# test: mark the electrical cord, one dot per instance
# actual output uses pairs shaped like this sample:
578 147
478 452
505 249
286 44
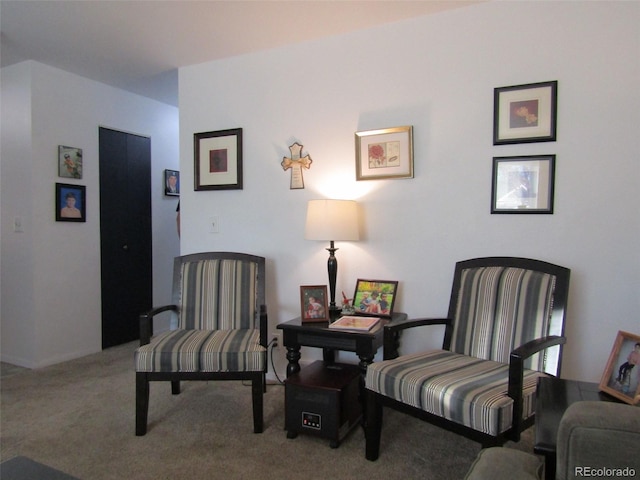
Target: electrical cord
273 366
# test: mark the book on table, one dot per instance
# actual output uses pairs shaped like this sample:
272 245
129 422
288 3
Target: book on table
354 322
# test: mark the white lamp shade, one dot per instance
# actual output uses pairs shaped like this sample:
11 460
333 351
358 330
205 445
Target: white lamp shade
332 220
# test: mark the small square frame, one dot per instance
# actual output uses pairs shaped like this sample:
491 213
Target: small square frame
69 162
624 386
375 297
317 311
525 113
73 211
218 160
523 184
169 189
385 153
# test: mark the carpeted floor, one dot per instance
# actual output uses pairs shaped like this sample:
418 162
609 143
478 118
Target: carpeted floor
78 417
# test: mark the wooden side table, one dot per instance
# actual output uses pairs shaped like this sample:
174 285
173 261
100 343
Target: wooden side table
553 397
318 334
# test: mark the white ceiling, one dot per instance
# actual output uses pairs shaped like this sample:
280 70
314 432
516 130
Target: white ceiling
138 45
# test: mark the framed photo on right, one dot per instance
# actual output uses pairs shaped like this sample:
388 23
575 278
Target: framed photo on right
525 113
375 297
621 377
523 184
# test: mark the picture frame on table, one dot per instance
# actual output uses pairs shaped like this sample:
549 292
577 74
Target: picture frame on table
218 160
71 203
375 297
314 306
621 376
523 184
384 154
525 113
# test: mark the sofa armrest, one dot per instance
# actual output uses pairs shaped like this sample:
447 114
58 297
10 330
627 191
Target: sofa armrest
598 435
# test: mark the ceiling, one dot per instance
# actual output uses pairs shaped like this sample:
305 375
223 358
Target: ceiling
139 45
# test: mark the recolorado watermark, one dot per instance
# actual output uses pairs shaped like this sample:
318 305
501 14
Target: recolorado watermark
605 472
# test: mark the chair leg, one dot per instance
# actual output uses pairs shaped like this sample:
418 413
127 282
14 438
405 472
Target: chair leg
257 392
175 387
142 403
373 425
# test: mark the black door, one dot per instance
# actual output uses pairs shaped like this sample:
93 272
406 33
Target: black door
125 234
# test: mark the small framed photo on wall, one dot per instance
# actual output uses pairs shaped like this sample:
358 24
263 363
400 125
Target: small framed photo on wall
69 162
71 203
525 113
523 184
172 183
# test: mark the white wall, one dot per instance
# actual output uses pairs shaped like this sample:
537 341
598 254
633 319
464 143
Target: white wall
438 74
51 308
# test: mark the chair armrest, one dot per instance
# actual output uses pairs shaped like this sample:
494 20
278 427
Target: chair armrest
146 322
394 329
516 373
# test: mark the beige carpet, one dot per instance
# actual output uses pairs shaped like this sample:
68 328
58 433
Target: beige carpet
78 417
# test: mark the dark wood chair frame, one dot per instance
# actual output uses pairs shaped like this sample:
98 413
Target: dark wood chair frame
258 379
374 402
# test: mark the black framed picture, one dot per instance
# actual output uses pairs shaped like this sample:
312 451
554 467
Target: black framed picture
523 184
71 203
172 183
375 297
218 160
525 113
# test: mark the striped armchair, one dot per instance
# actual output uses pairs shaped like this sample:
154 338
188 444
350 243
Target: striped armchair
218 329
505 328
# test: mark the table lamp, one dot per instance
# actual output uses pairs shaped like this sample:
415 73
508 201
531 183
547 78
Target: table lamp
332 220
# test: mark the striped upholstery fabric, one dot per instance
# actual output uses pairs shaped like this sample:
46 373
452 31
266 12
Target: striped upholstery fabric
460 388
217 294
499 309
218 329
202 351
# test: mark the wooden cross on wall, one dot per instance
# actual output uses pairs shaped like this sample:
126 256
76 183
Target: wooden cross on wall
295 163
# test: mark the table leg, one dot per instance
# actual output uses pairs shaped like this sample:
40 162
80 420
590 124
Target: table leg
293 355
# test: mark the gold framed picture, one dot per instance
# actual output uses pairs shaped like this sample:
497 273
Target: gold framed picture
384 153
621 377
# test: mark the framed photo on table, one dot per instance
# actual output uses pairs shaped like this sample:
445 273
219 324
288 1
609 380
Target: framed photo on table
218 160
375 297
385 153
525 113
523 184
621 377
313 303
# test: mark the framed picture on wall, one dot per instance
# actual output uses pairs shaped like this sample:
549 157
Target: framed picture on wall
313 303
385 153
523 184
218 160
525 113
71 203
69 162
621 376
172 183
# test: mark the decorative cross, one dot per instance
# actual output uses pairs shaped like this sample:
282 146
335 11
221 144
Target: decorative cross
295 163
